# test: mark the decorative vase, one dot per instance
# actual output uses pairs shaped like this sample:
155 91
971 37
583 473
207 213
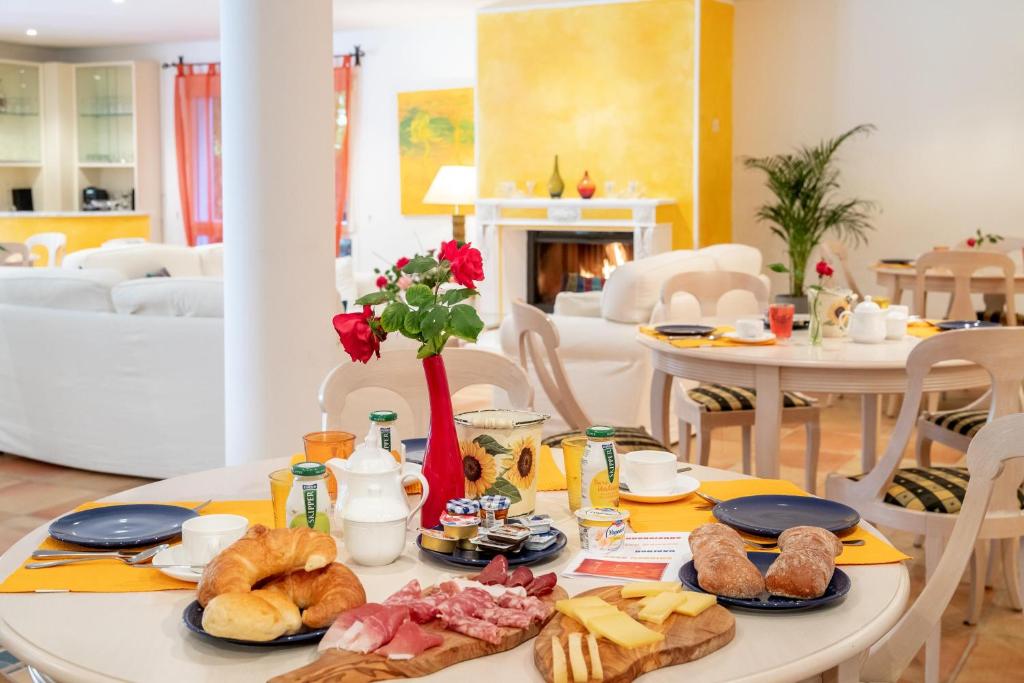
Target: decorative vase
442 463
586 187
814 326
555 185
827 307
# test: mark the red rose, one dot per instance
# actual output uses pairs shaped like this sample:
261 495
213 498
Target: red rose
401 263
971 241
466 263
823 268
356 335
381 282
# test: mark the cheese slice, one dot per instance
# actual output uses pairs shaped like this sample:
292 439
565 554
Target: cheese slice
596 670
694 603
584 613
660 606
645 588
569 605
559 671
576 661
624 631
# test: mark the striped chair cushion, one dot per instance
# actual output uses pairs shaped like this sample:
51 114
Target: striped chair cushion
966 422
627 440
931 489
997 317
720 398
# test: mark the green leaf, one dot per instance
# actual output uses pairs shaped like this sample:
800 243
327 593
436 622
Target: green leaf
373 298
778 268
435 319
411 324
393 317
503 487
419 296
419 264
425 351
489 444
465 323
454 296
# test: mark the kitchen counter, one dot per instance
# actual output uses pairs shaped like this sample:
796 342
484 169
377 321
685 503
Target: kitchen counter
84 229
69 214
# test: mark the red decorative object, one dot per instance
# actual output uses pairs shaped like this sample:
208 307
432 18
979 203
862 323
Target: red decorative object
382 281
466 262
823 268
586 187
442 464
359 334
971 242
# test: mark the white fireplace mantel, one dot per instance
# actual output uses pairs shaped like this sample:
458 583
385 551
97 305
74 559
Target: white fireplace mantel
502 238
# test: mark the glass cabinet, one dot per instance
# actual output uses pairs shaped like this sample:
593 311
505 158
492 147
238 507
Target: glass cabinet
20 123
105 115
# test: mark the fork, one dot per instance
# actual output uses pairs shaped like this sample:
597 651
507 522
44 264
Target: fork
772 546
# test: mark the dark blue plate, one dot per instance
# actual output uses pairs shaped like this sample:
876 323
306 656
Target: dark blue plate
836 591
193 618
896 261
771 515
121 526
414 450
947 325
463 558
684 330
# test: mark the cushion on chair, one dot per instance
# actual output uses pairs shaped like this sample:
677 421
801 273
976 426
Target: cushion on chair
720 398
997 317
627 440
931 489
966 422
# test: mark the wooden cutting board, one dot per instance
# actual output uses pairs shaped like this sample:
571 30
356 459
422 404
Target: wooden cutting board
686 639
353 667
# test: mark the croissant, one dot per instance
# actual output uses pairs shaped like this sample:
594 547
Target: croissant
258 616
263 553
321 594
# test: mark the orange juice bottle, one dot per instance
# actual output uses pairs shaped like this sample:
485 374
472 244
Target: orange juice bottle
384 424
600 469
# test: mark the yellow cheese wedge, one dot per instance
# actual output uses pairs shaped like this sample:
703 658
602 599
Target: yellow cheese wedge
624 631
559 671
569 605
596 670
584 613
694 603
576 661
644 588
660 606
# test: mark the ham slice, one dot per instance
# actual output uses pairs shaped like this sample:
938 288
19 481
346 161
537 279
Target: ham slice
345 620
542 585
409 641
376 630
520 576
495 572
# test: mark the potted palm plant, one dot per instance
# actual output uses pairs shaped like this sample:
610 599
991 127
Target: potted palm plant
805 207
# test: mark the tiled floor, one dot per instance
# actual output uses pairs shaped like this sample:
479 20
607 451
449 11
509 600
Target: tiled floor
32 493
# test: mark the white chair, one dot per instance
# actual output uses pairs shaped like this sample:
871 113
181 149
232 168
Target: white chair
123 241
963 264
15 255
401 372
709 406
923 500
993 455
55 244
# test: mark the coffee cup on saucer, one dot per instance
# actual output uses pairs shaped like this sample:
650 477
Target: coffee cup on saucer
203 537
749 328
650 473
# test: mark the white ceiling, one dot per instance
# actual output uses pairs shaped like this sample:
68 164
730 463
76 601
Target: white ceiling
86 23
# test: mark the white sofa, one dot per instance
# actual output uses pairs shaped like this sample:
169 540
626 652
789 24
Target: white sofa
610 372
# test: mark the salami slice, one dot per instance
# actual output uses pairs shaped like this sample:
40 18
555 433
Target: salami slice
474 628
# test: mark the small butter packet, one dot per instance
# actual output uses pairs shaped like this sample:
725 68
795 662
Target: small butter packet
509 533
541 541
495 545
538 524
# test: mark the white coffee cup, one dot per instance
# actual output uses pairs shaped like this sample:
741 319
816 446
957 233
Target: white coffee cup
203 537
650 472
896 324
750 328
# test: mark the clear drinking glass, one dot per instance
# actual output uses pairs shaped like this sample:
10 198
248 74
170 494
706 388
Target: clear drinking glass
280 487
780 317
572 450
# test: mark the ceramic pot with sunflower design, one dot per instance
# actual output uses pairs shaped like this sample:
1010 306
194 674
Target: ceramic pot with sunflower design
829 305
500 451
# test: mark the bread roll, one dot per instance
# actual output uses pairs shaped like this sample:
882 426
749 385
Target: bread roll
803 573
321 594
258 616
810 537
722 565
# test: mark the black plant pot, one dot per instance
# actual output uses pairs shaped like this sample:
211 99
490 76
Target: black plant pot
799 302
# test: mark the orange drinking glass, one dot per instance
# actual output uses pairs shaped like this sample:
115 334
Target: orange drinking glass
572 449
780 317
322 446
280 487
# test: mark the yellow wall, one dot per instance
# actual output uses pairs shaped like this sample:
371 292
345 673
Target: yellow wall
83 232
607 87
715 146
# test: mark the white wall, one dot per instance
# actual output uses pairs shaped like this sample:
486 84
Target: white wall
940 78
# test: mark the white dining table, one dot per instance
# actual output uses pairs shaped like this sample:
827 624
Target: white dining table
94 637
838 366
900 279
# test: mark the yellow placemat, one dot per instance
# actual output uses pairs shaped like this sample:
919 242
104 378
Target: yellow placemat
696 342
922 328
550 477
692 511
112 576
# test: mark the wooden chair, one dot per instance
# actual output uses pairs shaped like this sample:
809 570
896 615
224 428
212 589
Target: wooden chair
402 373
963 264
836 252
993 457
53 242
924 501
538 340
709 406
15 254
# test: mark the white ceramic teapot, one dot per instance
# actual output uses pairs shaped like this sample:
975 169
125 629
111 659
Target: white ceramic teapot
866 322
372 509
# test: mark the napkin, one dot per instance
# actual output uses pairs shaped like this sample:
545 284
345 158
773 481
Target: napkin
550 477
922 329
695 342
685 515
112 576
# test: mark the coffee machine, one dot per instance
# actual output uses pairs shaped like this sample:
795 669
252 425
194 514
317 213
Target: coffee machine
95 199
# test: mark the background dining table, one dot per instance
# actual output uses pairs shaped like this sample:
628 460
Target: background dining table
897 279
93 637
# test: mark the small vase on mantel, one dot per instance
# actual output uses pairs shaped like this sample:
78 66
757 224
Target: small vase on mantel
586 187
555 184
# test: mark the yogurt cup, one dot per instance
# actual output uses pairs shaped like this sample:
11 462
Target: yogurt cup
602 530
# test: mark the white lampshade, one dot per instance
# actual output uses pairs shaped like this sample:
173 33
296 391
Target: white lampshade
452 185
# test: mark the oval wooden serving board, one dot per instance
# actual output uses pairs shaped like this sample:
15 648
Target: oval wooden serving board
686 639
341 665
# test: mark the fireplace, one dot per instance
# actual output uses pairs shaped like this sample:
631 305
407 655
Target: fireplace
571 261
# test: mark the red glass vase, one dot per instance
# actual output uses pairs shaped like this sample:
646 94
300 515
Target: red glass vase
442 463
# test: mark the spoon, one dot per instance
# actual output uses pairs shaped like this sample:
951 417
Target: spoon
70 554
772 546
133 560
625 487
710 499
199 507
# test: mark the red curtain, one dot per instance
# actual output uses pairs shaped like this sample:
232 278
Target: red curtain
197 134
344 74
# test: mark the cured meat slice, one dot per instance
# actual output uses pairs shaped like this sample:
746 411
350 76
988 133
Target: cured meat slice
376 630
478 603
520 576
411 590
495 572
409 641
542 585
345 620
495 590
421 609
536 608
474 628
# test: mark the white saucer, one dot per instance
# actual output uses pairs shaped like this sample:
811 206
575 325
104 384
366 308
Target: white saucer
174 555
760 339
683 487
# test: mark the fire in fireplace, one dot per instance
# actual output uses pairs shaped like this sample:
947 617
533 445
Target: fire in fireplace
572 261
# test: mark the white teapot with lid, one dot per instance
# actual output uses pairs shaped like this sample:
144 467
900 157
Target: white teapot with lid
866 322
372 509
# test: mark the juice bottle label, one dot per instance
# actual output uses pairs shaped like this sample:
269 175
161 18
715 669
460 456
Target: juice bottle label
600 470
385 438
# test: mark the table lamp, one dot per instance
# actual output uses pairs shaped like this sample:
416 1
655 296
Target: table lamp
454 185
